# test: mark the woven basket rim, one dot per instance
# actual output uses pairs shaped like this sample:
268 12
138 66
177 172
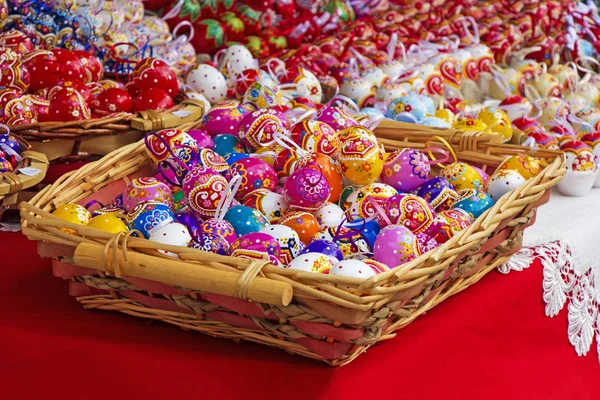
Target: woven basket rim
368 293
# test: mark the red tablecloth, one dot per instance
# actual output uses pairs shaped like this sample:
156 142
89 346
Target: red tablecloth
491 341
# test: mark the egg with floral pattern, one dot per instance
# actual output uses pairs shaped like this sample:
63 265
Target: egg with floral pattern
304 223
335 117
306 189
256 174
357 204
326 247
316 137
313 262
221 228
257 246
395 245
328 168
361 160
449 223
411 211
476 204
263 93
438 193
224 118
272 205
406 169
245 220
211 243
407 109
462 176
289 241
526 165
257 128
144 189
351 242
203 189
149 216
165 143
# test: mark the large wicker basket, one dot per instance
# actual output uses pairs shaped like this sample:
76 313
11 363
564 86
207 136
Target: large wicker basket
89 139
324 317
12 184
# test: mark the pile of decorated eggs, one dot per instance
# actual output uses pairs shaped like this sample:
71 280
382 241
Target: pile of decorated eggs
9 152
351 210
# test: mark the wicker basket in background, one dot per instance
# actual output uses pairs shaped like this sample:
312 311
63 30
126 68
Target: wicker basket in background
330 318
93 138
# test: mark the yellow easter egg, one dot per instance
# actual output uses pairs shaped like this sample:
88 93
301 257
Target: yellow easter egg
470 124
497 121
361 159
269 153
446 115
525 165
108 223
462 176
73 213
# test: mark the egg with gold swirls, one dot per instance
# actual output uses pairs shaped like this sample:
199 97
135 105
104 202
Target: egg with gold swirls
357 204
257 246
526 165
438 193
361 160
395 245
144 189
462 176
203 189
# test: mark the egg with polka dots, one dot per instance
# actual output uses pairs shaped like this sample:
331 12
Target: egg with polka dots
245 220
151 73
353 269
288 239
174 234
207 80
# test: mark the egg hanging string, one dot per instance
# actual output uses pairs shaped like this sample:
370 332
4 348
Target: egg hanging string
167 147
227 198
349 235
378 210
429 150
7 149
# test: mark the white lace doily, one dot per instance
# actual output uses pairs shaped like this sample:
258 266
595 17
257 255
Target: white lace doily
566 238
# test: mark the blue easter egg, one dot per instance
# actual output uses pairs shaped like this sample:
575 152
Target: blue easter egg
245 220
233 157
326 247
149 216
369 229
439 193
371 112
435 122
428 102
476 204
407 109
227 144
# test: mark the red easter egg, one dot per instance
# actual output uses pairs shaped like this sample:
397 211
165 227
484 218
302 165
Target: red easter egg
14 75
113 100
68 105
95 87
76 85
153 73
153 99
42 107
72 68
91 64
7 95
132 89
20 111
245 80
17 41
44 69
209 35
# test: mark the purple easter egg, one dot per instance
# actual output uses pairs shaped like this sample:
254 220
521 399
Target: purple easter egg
405 170
224 118
256 174
257 128
335 117
326 247
306 189
258 246
395 245
221 228
426 243
210 242
203 188
144 189
191 221
202 138
439 193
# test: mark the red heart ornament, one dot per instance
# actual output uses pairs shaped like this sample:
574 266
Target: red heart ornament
14 75
448 71
20 111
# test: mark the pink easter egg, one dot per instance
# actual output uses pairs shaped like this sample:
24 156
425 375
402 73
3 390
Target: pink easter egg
202 138
221 228
224 118
203 189
335 117
395 245
406 169
257 246
411 211
256 174
257 128
306 189
426 243
145 189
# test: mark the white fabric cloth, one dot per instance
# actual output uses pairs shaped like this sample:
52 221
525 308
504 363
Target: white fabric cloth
566 238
